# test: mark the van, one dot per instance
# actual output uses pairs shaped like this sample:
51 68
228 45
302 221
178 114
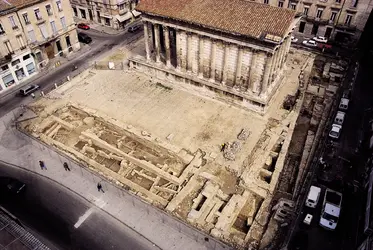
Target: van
25 91
84 38
313 197
339 118
343 105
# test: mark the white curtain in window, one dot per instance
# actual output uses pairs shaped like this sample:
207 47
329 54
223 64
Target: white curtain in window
63 22
44 31
54 29
30 68
31 35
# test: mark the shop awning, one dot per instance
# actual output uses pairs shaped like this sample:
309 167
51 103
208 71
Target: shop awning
135 13
124 17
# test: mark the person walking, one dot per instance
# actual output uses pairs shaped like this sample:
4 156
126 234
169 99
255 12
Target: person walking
67 168
42 165
99 187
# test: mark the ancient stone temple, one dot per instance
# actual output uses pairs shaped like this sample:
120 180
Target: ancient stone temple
235 49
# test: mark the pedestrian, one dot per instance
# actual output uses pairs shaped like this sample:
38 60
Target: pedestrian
223 147
42 165
99 187
66 166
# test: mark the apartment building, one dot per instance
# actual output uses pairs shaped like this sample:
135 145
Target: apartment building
340 20
31 33
113 13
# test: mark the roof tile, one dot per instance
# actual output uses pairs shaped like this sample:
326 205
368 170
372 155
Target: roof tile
233 16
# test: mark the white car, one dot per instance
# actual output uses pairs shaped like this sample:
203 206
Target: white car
320 39
310 43
335 132
294 40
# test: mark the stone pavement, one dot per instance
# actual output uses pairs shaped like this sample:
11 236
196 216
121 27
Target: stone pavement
164 231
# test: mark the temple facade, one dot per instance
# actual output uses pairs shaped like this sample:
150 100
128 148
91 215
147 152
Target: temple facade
238 60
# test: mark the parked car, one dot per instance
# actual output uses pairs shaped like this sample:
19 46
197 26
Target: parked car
347 94
313 196
83 26
320 39
335 132
331 209
339 118
84 38
12 186
324 46
343 105
134 28
309 43
25 91
294 40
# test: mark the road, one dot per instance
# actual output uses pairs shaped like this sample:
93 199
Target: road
101 44
346 160
66 220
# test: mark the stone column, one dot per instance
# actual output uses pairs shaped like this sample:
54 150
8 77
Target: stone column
200 57
282 54
157 43
178 53
146 36
166 35
267 71
225 63
188 52
252 74
212 60
277 60
238 66
271 71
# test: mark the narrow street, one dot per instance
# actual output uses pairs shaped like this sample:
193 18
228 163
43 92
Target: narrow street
101 44
346 159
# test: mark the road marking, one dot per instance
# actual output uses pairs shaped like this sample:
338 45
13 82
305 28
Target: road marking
83 217
98 203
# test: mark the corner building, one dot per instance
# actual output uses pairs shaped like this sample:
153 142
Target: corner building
235 49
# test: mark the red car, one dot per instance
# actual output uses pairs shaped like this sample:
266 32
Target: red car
83 26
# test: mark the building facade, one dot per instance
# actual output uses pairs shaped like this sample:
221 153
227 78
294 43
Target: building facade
340 20
113 13
31 33
240 60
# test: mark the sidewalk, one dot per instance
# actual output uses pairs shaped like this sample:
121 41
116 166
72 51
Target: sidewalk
164 231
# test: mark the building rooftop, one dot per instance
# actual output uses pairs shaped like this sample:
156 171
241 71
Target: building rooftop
234 16
8 5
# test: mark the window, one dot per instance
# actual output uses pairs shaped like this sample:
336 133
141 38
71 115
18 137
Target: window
13 22
54 29
293 6
31 35
44 31
21 42
265 2
8 46
37 14
2 31
354 3
121 6
305 10
30 68
280 4
8 80
25 18
319 13
338 1
49 9
63 22
4 67
332 16
68 43
348 19
14 63
26 57
20 74
59 6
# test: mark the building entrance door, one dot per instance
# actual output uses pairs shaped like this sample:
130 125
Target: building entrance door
49 50
315 28
90 14
328 32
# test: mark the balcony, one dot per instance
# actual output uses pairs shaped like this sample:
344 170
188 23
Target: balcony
345 27
316 20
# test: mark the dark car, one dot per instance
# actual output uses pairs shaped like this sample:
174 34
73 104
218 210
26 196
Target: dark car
11 186
84 38
25 91
83 26
133 29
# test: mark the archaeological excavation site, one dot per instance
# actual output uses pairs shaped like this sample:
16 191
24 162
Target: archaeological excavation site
214 165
